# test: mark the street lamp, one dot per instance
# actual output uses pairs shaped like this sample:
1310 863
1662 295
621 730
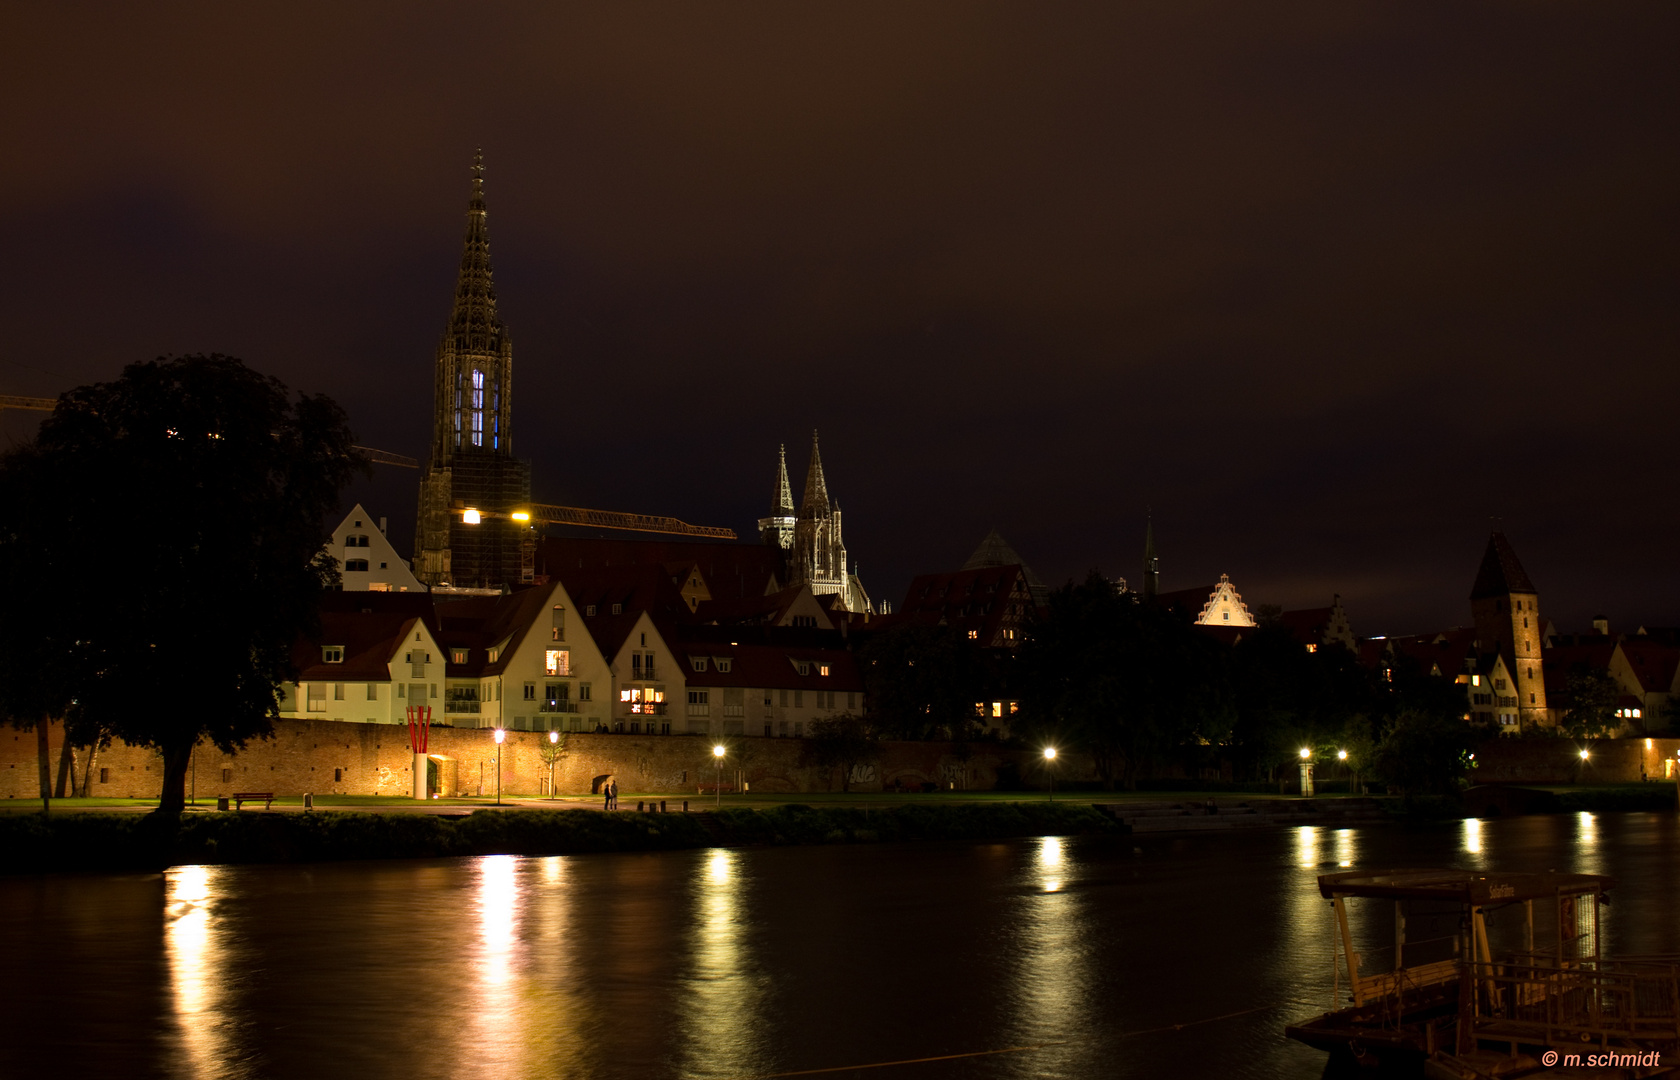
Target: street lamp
1305 753
1584 755
717 753
1341 755
1049 760
500 735
553 740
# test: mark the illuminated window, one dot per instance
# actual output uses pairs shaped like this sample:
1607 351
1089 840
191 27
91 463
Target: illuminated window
973 635
822 669
332 654
557 662
478 408
624 695
457 656
1312 648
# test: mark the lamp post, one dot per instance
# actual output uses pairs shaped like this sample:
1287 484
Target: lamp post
500 735
1049 760
717 754
553 740
1306 771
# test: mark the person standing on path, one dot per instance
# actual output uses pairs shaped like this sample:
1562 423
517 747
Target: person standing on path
614 794
606 795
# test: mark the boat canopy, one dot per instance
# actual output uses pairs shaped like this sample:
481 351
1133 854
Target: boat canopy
1459 886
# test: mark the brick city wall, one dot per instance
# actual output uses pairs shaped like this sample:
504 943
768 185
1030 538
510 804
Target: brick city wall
1558 761
324 756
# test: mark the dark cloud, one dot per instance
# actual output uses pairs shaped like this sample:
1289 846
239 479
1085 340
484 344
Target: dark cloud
1327 286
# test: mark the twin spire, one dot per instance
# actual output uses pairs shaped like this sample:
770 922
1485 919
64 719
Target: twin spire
815 501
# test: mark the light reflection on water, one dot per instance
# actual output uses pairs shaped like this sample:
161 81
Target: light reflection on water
199 966
744 962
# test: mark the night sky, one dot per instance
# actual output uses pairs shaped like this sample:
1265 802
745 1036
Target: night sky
1326 286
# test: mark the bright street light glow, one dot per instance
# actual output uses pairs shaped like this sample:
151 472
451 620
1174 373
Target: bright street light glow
1305 753
1583 755
500 735
554 736
469 517
1341 755
520 515
1049 753
717 751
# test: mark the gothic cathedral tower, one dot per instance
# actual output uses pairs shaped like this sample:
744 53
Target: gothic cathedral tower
1507 612
472 464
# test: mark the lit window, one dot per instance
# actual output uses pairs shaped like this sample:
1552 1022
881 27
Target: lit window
457 656
1312 648
822 669
973 635
557 662
332 654
1636 714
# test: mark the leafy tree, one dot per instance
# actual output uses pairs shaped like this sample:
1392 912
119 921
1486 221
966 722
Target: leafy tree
1592 703
840 742
920 682
183 507
551 751
1124 680
1425 752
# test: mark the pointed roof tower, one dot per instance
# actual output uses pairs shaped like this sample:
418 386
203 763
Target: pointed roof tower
782 502
475 290
1500 574
815 503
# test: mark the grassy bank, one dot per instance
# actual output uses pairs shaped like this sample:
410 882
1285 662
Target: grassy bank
33 843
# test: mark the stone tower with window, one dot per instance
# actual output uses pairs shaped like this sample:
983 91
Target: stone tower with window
1506 608
471 465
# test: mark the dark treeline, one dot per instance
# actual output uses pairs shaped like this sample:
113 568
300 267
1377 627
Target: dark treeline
1142 691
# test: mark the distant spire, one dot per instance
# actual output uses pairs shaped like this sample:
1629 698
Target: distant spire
1151 565
782 503
815 502
475 291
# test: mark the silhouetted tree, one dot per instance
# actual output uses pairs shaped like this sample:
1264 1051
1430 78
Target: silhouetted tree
176 517
1124 680
1592 703
920 682
1426 752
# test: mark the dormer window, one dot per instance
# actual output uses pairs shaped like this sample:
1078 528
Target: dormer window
822 669
724 663
802 666
589 611
618 609
457 656
332 654
698 662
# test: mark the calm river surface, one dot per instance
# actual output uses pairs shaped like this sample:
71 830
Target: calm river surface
745 963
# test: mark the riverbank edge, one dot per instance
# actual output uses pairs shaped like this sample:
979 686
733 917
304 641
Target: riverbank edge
107 842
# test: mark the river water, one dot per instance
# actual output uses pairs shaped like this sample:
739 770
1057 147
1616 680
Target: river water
735 963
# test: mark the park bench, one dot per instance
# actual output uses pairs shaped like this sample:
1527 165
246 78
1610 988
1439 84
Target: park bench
267 798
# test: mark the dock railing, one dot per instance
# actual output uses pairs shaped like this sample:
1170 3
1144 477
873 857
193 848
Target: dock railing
1532 998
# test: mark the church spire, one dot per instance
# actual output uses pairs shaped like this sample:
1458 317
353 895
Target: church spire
783 500
1151 565
474 315
816 487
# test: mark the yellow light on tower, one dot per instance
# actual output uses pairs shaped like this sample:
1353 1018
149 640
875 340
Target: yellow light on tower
469 517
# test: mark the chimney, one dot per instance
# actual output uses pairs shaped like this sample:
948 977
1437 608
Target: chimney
382 526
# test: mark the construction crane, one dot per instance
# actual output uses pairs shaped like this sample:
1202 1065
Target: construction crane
536 515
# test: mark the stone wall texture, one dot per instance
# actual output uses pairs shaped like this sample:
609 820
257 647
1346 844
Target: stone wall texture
331 757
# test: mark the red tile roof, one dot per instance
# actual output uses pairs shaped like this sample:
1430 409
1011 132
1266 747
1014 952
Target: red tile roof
985 601
769 667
